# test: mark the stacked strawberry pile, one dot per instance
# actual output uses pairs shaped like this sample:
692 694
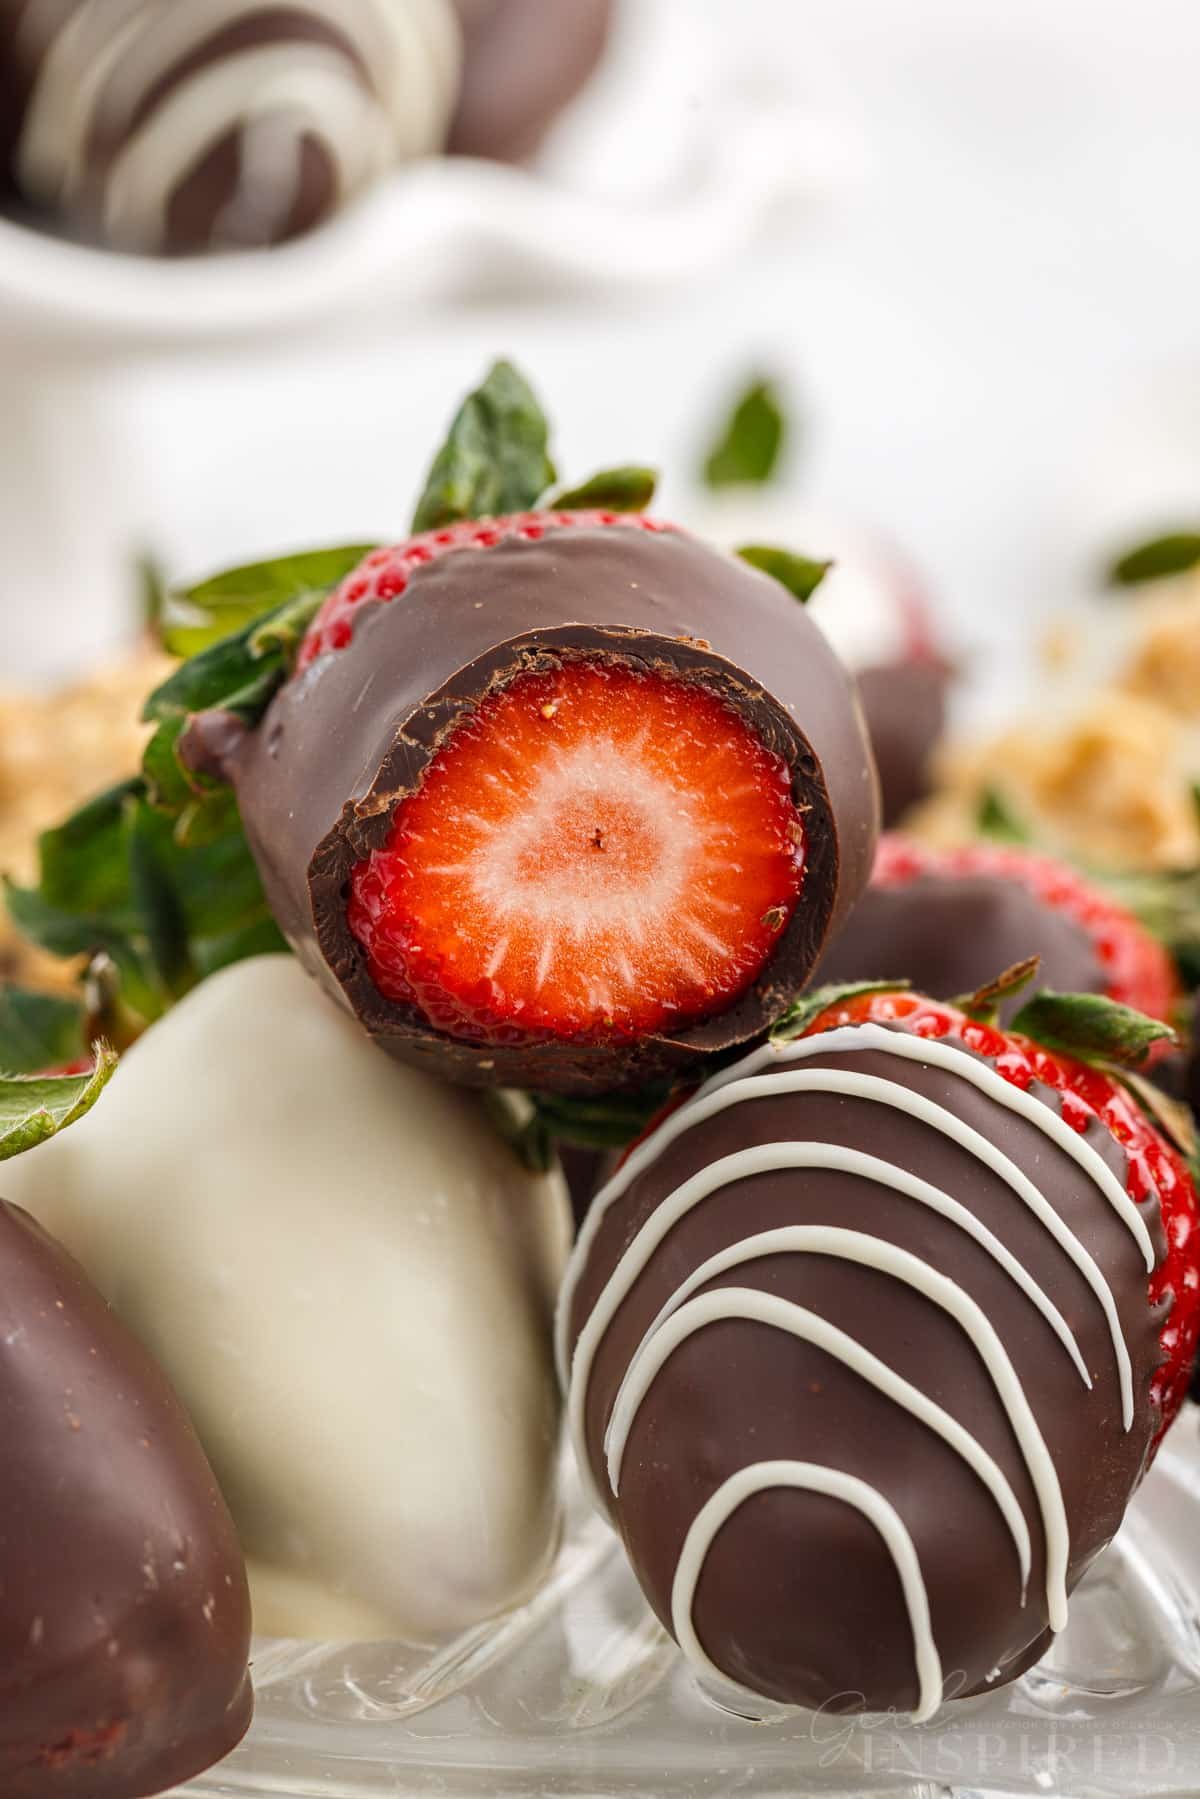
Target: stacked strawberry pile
874 1329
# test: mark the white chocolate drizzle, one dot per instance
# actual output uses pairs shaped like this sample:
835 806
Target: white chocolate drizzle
808 1477
870 1252
379 91
683 1314
957 1060
765 1159
720 1094
766 1308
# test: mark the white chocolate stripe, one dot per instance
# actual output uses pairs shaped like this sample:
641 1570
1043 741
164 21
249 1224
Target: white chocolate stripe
808 1477
395 84
172 35
968 1067
313 85
656 1346
886 1258
76 64
768 1158
903 1099
848 1038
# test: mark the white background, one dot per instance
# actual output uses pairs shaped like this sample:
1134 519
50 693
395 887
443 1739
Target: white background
992 317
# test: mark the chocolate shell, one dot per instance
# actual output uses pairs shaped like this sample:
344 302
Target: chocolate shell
347 740
949 933
860 1357
124 1612
523 62
905 707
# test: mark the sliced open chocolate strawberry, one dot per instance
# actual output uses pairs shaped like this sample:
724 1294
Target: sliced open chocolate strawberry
536 827
596 852
560 799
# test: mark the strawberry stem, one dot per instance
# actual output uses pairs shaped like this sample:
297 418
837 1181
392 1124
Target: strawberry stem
984 1004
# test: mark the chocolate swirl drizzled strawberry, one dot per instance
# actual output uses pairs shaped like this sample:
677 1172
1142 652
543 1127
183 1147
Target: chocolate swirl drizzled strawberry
869 1342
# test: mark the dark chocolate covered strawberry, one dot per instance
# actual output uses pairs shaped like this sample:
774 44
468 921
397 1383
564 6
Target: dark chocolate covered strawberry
946 919
523 62
124 1610
559 798
870 1342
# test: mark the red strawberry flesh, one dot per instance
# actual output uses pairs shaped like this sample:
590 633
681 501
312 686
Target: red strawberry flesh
595 852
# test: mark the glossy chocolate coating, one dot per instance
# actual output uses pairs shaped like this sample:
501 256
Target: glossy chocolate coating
798 1598
14 92
948 934
905 707
524 61
124 1612
345 742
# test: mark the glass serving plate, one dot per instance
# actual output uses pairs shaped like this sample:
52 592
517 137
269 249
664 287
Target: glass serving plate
582 1693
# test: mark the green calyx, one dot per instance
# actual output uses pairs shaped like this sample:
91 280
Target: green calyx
1172 553
34 1107
750 443
118 879
613 490
995 819
39 1030
984 1004
1091 1028
801 575
534 1124
496 459
803 1012
219 609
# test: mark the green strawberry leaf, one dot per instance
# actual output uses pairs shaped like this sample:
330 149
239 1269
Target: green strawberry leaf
1091 1028
751 441
39 1031
239 674
613 490
801 575
33 1108
1173 1118
609 1121
168 785
1174 553
155 873
496 458
995 819
117 879
985 1003
196 618
534 1123
804 1012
